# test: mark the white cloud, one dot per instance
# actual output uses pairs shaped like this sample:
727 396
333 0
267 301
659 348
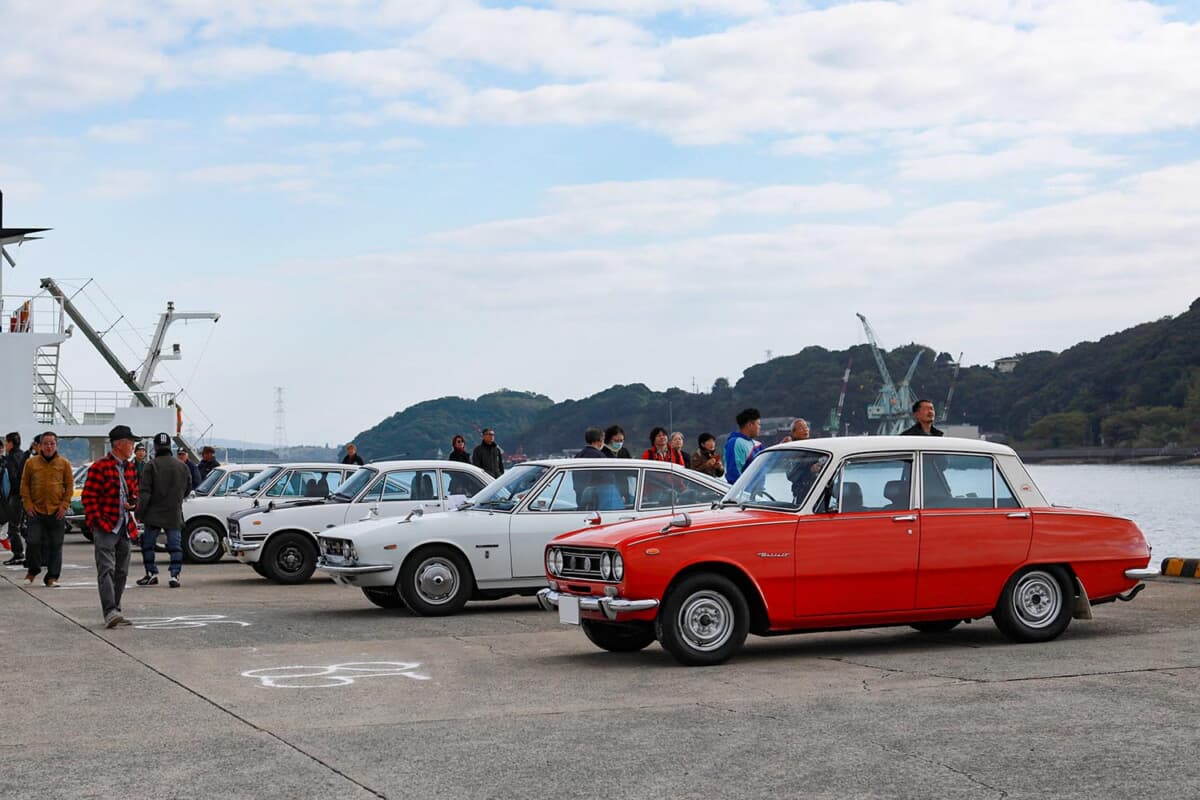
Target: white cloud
662 208
401 143
125 183
1035 154
134 131
255 122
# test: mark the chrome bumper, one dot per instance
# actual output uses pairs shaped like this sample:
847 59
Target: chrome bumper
243 545
1148 574
357 569
608 606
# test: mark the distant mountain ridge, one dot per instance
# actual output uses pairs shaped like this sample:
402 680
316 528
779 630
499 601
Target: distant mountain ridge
1137 387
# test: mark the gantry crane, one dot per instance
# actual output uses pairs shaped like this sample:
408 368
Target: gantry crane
893 404
950 394
834 426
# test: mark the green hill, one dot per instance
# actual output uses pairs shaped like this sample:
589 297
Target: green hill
1137 387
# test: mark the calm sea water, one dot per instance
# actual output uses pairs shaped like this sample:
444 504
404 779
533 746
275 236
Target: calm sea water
1163 500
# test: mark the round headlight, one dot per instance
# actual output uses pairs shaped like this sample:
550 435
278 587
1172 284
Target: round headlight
618 567
606 566
558 561
550 561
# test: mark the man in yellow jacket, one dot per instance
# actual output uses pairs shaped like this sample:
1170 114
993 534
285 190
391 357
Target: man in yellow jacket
46 491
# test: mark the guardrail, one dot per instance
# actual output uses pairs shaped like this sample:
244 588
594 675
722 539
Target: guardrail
39 313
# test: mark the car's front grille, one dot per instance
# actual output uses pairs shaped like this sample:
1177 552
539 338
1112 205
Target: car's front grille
581 562
335 547
234 527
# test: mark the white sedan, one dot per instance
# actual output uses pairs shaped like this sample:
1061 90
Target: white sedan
279 540
495 546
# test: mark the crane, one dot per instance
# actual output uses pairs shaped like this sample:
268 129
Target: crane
834 426
892 404
950 394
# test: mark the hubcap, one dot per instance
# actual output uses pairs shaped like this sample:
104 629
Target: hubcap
203 541
706 620
1037 599
437 581
290 559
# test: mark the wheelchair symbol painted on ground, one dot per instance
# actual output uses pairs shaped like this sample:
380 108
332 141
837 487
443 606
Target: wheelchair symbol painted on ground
186 621
334 675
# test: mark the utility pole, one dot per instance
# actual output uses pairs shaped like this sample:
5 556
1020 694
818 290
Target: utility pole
280 421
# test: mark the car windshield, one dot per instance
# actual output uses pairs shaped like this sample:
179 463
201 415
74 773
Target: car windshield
255 484
206 485
778 479
354 484
81 475
506 492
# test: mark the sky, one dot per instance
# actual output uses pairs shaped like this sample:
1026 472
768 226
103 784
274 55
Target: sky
390 202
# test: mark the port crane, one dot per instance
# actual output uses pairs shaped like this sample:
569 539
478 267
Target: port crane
950 394
893 404
834 425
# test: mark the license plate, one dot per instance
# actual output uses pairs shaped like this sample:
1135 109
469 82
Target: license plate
568 609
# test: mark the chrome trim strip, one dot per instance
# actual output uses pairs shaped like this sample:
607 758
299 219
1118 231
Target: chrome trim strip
361 569
241 544
609 606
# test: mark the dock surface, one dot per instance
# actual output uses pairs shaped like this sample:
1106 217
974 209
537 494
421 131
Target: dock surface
234 687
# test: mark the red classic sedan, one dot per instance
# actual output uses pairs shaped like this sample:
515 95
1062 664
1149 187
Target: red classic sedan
853 532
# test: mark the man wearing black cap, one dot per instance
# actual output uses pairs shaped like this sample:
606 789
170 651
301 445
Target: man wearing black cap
110 496
164 483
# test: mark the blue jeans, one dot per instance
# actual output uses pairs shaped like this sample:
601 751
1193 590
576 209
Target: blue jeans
174 546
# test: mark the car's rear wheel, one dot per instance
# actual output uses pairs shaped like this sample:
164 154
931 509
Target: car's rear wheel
202 541
289 558
383 597
435 581
1035 606
624 637
703 620
940 626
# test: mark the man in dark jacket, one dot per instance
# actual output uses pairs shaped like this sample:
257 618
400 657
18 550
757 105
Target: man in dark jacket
208 461
458 450
192 469
12 463
594 440
352 456
488 456
164 483
924 415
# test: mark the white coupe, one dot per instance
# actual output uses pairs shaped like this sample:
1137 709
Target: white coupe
494 546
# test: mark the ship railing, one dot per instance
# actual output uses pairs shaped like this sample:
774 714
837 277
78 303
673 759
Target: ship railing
39 313
98 407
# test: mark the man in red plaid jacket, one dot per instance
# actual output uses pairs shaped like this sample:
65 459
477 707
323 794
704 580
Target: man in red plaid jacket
109 499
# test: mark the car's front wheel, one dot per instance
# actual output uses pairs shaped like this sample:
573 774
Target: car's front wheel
624 637
703 620
1036 605
435 581
289 558
202 541
383 597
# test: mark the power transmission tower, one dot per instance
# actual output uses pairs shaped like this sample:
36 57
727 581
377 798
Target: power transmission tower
280 420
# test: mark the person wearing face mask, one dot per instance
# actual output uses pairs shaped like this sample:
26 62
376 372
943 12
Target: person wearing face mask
614 442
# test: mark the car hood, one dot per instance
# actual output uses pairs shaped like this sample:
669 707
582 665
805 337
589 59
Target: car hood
276 506
648 528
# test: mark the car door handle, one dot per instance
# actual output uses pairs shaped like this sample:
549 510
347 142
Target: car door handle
625 519
432 505
1019 515
905 518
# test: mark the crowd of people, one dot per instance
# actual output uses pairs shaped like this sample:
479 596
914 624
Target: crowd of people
36 489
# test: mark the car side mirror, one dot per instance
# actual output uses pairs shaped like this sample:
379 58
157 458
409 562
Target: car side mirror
594 518
681 520
416 513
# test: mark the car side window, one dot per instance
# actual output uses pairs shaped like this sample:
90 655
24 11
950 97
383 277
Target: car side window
1004 493
545 498
664 489
962 481
306 483
459 482
878 484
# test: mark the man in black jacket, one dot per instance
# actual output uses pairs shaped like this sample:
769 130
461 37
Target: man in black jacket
164 483
924 415
488 456
11 465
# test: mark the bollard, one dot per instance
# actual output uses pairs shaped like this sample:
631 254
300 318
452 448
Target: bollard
1181 567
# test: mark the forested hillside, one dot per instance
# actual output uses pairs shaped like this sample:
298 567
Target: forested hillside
1138 387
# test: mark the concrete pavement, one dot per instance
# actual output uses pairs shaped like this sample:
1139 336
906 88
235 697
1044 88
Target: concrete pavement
234 687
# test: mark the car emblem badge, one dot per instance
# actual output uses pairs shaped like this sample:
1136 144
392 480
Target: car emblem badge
773 555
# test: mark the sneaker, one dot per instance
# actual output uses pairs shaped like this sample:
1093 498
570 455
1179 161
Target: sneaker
173 582
15 561
51 583
149 580
29 577
114 618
